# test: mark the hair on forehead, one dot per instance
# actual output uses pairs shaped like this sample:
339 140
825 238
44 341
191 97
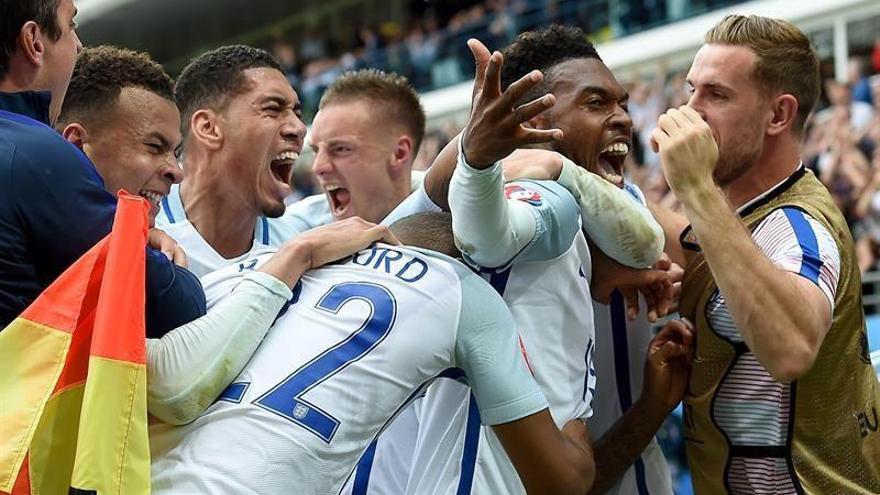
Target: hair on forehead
785 59
99 76
543 50
13 16
215 76
391 91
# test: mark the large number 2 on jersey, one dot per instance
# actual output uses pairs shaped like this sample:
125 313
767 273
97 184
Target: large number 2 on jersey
286 398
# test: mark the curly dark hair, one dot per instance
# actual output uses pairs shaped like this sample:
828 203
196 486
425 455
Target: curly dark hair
14 14
543 50
213 77
391 91
100 75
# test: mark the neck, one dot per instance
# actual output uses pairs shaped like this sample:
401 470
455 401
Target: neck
216 210
17 79
778 160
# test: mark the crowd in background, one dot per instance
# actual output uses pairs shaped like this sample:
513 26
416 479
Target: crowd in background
841 144
430 48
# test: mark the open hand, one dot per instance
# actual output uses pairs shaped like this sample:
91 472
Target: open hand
323 245
495 127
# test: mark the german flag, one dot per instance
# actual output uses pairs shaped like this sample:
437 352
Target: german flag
73 407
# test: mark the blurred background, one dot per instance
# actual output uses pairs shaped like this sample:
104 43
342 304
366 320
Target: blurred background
647 43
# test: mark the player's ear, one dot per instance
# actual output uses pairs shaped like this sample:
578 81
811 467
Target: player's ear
784 108
31 43
205 126
404 154
75 134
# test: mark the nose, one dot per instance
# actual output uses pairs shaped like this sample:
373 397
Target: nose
321 165
695 103
79 45
620 119
173 173
293 129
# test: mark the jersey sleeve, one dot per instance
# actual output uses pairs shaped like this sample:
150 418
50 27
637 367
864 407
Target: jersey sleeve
417 202
305 214
493 224
174 296
61 199
616 220
487 351
797 242
189 367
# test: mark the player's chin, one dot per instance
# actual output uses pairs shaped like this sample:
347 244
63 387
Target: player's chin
273 208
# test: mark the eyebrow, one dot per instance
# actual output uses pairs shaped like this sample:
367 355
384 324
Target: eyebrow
712 85
162 139
275 99
599 90
331 142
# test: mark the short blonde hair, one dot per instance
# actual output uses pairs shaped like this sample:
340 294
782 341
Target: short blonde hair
786 61
391 92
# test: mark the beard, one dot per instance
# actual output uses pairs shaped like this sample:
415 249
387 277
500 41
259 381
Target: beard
738 156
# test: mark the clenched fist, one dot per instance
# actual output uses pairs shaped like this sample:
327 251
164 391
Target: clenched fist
688 151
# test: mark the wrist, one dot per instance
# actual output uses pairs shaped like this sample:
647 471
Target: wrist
471 159
652 410
290 262
694 193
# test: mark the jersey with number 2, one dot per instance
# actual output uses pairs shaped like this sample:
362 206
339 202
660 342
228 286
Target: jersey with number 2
359 341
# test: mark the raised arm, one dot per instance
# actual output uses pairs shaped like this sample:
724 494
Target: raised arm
667 369
785 341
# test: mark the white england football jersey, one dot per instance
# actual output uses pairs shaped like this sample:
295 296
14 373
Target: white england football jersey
202 258
359 341
546 287
620 364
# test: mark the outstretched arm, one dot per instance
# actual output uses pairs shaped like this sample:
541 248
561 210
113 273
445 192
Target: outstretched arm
488 228
549 460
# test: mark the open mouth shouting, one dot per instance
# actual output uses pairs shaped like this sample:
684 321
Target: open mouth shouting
282 169
339 198
611 160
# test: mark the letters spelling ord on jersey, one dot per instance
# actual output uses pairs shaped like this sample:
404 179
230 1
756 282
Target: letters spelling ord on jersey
404 267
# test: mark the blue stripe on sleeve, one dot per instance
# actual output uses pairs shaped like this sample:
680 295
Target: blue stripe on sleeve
811 263
364 467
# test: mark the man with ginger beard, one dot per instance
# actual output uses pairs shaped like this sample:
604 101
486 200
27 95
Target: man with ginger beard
242 133
782 397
